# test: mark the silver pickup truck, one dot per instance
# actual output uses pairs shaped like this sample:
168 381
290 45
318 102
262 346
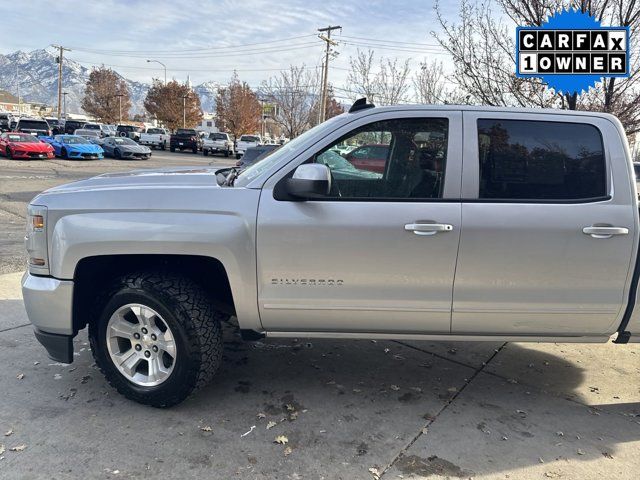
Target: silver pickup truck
477 224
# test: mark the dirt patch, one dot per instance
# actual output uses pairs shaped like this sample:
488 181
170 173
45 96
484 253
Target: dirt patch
414 465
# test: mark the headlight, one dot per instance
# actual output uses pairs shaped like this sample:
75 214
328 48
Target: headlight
36 239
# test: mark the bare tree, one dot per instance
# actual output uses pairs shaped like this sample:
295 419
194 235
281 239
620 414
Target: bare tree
391 82
361 79
293 92
388 86
482 47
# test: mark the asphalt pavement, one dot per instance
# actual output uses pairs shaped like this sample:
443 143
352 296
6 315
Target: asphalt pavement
347 409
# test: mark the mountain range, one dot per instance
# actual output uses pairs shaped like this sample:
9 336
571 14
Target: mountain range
35 73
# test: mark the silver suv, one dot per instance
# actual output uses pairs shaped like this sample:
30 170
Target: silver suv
475 224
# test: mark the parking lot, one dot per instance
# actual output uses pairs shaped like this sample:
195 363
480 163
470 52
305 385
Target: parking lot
349 409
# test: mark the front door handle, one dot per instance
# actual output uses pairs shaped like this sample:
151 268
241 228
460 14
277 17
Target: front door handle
604 232
428 228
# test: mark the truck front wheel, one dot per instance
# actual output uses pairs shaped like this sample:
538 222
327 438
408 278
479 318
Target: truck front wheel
157 338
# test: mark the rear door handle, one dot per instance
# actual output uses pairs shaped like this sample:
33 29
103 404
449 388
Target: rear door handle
428 228
604 232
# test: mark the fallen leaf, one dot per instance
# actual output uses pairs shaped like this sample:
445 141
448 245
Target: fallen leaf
580 451
287 451
375 472
607 455
386 350
206 428
36 363
57 376
271 424
18 448
261 415
8 432
551 474
416 389
560 434
116 472
290 408
20 376
281 439
356 390
2 449
540 460
452 389
394 387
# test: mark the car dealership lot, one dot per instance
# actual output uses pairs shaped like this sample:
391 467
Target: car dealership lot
349 409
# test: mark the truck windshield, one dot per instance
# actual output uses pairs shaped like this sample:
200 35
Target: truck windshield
258 168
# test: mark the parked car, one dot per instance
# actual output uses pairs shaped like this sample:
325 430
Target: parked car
110 130
185 139
255 154
155 138
130 131
70 126
125 148
535 239
89 134
54 125
217 143
24 146
342 169
74 147
102 129
34 126
369 157
5 120
245 142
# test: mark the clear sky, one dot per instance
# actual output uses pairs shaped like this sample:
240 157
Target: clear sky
195 37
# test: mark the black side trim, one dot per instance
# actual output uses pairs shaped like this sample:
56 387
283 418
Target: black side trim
623 335
59 347
537 200
251 335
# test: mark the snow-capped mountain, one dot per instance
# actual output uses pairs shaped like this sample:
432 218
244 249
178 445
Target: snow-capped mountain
36 75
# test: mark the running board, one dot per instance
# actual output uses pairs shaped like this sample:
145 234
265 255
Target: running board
440 337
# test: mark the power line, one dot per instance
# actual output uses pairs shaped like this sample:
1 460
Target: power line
201 49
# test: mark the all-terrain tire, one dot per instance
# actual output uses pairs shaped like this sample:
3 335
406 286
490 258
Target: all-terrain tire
194 323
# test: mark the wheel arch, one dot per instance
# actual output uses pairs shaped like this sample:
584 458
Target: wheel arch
94 274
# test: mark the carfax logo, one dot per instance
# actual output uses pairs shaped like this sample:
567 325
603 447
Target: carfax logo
572 51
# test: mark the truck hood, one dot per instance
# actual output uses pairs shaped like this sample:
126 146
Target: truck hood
137 179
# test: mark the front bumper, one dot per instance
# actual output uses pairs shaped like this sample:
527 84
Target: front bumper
49 304
84 156
33 155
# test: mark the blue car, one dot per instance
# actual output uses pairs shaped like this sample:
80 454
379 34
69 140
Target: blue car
74 147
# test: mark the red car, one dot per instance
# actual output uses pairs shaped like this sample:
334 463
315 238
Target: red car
23 145
369 157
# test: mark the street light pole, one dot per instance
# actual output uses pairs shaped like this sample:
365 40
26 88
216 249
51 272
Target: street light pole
120 95
165 68
64 101
184 111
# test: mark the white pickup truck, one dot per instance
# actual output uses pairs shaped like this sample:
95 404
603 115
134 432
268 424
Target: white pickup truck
217 143
155 138
247 141
482 224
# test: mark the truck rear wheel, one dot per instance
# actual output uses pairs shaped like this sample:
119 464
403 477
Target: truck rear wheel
205 152
157 338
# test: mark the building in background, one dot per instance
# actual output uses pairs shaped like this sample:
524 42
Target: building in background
208 123
16 106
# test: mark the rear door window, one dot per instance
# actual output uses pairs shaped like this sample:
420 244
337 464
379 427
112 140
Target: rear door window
538 160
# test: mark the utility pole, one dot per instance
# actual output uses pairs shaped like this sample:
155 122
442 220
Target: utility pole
120 95
65 103
61 51
18 89
325 70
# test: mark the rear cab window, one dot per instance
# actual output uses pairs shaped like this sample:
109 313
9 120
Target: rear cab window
533 160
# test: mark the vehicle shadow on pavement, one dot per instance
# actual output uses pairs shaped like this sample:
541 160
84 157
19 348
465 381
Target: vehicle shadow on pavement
416 409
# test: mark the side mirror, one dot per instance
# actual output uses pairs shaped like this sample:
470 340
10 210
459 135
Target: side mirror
311 180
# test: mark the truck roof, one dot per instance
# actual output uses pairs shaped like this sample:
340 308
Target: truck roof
481 108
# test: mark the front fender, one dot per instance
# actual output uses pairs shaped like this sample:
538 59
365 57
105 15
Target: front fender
226 236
